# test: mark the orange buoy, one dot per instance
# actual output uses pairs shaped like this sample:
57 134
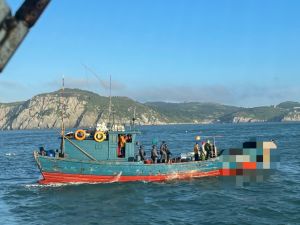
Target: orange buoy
80 135
99 136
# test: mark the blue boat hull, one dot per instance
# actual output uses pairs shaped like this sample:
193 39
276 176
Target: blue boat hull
65 171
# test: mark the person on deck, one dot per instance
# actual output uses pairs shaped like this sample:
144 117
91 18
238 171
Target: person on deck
154 154
122 142
203 153
196 151
142 152
42 151
168 153
162 151
208 149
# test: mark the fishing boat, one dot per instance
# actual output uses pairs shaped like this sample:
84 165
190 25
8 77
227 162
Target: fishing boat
93 156
109 154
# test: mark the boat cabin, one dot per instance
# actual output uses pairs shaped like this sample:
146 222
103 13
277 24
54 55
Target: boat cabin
98 145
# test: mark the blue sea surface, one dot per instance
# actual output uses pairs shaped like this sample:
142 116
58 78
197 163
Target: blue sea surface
213 200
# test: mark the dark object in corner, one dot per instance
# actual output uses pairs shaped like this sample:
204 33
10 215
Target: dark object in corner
249 144
130 159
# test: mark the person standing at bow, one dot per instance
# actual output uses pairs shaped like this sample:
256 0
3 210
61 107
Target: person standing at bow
196 151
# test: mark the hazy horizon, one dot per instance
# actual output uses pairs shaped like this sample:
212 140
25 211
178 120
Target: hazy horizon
165 101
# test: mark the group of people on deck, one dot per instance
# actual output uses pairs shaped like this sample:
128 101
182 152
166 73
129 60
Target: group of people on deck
162 156
207 150
203 152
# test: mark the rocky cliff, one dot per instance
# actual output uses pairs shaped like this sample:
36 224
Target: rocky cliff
292 116
241 119
86 109
82 109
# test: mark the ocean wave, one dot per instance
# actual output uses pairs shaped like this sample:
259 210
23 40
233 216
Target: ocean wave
10 154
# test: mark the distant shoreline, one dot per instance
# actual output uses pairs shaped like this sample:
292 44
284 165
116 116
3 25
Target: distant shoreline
85 109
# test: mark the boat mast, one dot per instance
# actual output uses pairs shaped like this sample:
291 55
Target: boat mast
109 106
62 144
133 119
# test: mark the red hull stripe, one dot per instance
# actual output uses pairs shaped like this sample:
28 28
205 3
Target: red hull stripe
51 177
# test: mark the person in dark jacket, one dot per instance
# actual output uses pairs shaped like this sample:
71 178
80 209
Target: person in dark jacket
142 152
163 153
168 153
154 154
42 151
196 151
208 149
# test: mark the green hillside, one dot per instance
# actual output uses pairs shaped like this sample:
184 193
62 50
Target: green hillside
288 105
192 111
264 113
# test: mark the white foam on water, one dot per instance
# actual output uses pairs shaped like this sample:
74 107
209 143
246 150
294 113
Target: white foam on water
10 154
29 186
146 182
55 185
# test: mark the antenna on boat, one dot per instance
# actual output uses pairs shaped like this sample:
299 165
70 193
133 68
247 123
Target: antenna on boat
62 144
110 105
133 118
110 125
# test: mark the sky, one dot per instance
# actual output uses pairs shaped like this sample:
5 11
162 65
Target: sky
243 53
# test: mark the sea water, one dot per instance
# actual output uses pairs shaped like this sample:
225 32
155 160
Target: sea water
212 200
